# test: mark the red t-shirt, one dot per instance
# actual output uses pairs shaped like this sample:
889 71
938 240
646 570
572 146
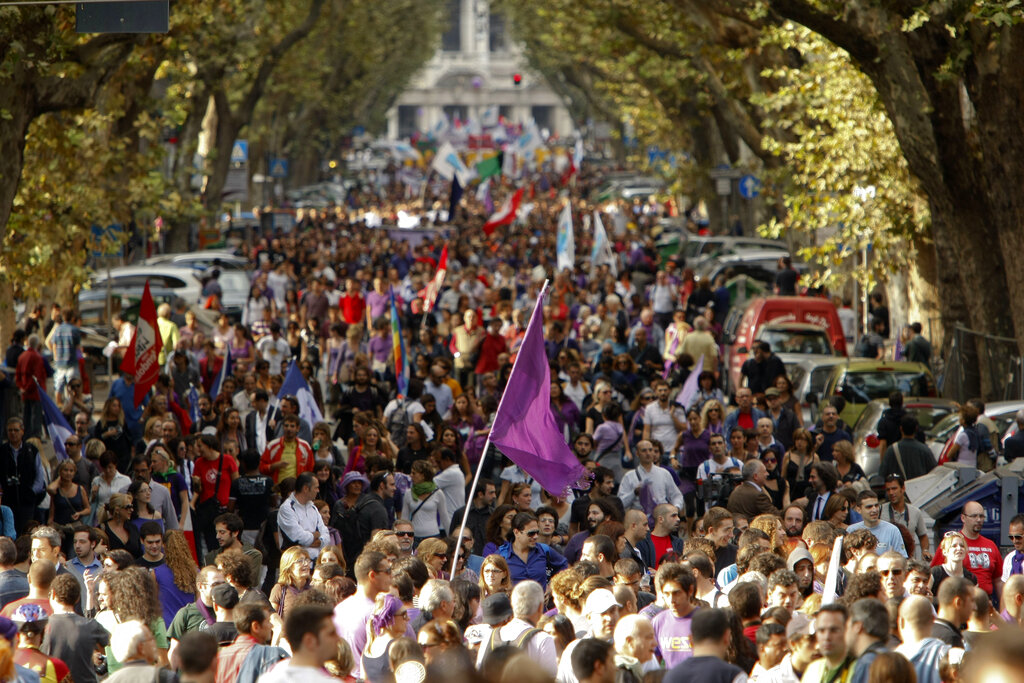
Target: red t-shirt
352 308
662 545
745 421
982 559
206 470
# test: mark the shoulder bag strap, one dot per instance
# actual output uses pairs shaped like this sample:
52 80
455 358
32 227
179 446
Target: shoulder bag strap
421 504
899 459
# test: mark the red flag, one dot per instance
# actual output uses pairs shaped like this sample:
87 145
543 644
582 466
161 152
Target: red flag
434 287
506 214
141 357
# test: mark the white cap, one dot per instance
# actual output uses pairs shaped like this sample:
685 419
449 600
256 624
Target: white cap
600 601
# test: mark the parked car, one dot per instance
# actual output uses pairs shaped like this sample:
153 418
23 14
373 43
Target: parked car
861 381
200 261
1001 413
701 248
808 375
131 280
929 411
741 330
796 339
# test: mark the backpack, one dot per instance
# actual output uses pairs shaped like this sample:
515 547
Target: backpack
398 423
346 521
494 642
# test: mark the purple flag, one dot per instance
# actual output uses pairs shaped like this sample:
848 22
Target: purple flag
690 386
524 427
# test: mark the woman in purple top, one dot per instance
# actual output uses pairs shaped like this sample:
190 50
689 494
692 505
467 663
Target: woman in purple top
380 343
567 415
377 300
694 447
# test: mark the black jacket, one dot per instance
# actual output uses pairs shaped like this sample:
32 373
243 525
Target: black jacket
761 375
646 549
273 415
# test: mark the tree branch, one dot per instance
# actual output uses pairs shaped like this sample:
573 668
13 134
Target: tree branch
847 35
54 93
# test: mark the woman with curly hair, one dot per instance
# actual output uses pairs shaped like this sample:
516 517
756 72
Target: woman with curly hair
566 591
389 620
176 576
494 576
133 594
712 416
293 579
498 526
239 572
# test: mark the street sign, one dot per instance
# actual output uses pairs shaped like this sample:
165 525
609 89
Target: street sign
147 16
278 168
240 152
750 187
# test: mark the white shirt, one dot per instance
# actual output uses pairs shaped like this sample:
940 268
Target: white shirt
299 521
452 483
284 672
1008 565
661 485
663 427
261 430
712 466
275 352
540 648
577 393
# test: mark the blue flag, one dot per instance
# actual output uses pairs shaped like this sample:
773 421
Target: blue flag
225 372
398 350
296 385
193 404
56 426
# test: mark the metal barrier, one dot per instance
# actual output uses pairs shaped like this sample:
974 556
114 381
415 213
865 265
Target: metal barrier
982 365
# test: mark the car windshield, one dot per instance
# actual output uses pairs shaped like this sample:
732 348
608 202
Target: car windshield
803 341
929 415
941 429
862 387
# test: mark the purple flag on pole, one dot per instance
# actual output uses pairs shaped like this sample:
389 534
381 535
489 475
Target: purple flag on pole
690 386
524 428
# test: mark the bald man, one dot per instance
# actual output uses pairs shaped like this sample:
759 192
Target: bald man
916 619
1013 599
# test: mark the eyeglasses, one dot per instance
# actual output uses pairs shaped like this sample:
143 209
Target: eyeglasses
493 570
893 572
405 534
981 516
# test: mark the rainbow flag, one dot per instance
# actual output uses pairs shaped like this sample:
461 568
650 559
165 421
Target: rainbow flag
398 349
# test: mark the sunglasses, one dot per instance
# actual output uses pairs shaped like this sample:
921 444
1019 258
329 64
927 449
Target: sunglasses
1016 537
533 533
893 572
769 461
405 534
441 556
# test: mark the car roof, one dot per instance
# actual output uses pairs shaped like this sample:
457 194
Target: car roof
813 361
867 365
183 272
796 327
916 401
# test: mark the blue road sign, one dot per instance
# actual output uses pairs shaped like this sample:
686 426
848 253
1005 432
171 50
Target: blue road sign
278 168
750 187
240 152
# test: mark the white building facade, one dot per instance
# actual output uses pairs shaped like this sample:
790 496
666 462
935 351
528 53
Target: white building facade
474 69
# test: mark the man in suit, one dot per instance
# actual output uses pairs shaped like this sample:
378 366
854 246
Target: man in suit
261 422
750 498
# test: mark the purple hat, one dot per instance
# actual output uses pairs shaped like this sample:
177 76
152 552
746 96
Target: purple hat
8 629
355 476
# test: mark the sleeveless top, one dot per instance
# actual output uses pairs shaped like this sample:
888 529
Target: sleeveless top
64 507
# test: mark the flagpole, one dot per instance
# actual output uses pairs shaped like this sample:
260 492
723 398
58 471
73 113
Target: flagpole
487 443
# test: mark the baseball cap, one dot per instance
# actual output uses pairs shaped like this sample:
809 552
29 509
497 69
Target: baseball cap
225 596
772 391
496 609
600 601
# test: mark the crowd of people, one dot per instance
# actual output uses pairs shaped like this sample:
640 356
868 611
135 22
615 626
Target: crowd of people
213 532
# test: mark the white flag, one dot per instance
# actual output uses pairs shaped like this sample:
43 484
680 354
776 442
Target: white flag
566 241
601 254
482 190
448 165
